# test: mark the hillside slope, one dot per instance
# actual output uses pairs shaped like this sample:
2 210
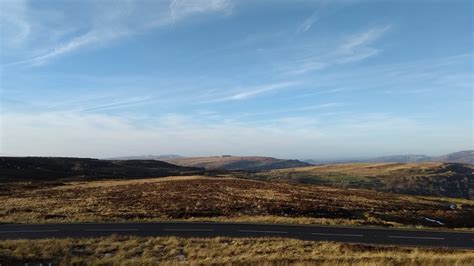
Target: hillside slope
55 168
466 157
434 179
248 163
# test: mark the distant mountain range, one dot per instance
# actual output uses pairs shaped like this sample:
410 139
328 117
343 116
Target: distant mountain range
466 157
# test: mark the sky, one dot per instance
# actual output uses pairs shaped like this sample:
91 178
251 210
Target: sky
283 78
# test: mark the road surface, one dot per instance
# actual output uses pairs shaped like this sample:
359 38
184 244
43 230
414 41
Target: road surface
188 229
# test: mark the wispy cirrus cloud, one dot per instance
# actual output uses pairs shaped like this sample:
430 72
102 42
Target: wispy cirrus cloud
13 22
308 108
259 90
308 22
182 8
106 23
249 92
94 37
362 39
118 104
351 48
358 47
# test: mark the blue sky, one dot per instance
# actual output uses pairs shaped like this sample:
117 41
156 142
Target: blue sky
290 79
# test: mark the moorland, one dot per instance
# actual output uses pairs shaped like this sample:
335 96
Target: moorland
225 199
44 190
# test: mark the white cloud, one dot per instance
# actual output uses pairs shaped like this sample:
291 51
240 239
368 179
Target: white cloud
118 104
357 56
182 8
249 92
356 48
88 39
305 67
351 49
361 40
308 22
259 90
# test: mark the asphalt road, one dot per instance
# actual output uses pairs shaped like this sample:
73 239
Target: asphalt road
185 229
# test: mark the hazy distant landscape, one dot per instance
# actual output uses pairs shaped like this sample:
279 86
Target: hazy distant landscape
225 161
465 157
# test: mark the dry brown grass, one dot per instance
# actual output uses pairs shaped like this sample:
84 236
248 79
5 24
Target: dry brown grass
362 169
111 183
369 169
122 250
223 199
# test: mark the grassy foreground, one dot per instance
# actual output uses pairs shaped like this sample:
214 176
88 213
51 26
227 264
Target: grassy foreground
249 251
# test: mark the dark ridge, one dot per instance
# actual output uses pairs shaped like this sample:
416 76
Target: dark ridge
27 169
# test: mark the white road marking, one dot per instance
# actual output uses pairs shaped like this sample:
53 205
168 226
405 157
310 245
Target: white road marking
110 230
325 234
29 231
264 232
418 237
189 230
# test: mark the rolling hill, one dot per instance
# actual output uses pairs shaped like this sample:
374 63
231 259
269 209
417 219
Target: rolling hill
466 157
245 163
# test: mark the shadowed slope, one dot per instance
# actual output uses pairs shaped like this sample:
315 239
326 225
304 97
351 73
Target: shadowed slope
55 168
